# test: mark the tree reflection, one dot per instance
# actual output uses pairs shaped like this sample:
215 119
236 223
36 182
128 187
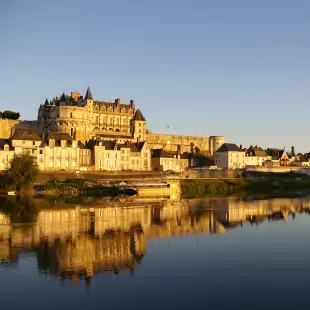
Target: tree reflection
20 209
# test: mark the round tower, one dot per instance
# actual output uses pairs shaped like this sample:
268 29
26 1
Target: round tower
215 143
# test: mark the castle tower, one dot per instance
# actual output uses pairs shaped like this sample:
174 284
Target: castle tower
88 99
215 142
139 126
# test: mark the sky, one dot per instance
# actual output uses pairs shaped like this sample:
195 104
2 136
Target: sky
235 68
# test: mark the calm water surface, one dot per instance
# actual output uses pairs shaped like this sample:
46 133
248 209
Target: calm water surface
130 254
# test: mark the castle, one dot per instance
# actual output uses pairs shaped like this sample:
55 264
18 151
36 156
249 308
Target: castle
84 119
75 132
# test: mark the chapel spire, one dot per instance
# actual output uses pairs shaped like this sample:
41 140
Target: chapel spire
88 94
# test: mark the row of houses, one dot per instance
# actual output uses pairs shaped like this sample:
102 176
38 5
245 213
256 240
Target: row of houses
230 156
58 151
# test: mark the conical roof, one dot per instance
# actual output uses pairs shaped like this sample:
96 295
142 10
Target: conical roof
63 97
139 116
88 94
46 102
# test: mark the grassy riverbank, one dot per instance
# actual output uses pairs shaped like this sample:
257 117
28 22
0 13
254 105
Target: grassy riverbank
75 187
244 187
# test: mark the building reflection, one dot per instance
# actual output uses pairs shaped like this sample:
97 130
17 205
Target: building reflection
76 242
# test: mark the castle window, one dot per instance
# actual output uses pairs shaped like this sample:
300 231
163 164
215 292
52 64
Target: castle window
71 132
71 115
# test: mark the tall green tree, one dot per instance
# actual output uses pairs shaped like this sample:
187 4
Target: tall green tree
23 171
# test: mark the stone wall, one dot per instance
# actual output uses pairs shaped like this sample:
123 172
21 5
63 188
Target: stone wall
171 142
7 127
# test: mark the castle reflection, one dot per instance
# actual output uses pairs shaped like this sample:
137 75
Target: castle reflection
77 242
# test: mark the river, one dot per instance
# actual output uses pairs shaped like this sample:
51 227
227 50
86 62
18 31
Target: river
162 254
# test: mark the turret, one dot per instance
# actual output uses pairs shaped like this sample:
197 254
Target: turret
88 100
139 126
88 95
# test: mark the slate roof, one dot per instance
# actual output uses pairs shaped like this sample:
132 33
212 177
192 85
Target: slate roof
26 134
136 147
256 151
161 153
88 94
82 146
229 147
109 145
59 136
139 116
63 97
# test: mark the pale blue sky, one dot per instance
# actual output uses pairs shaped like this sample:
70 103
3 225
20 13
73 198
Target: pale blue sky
237 68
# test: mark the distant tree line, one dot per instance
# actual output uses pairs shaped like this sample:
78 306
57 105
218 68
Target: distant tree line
9 115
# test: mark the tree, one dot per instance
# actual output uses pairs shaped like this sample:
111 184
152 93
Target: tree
20 209
23 171
10 115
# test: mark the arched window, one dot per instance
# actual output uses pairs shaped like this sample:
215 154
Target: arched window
117 130
96 129
103 129
71 115
110 129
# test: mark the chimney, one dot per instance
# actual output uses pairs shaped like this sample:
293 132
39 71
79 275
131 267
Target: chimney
132 103
118 101
241 146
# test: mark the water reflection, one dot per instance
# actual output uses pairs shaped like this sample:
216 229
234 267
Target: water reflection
78 242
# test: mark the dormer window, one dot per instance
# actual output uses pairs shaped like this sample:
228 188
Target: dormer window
6 147
51 143
63 143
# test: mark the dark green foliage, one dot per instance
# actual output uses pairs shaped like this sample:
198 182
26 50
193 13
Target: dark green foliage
203 160
10 115
23 171
208 187
244 187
